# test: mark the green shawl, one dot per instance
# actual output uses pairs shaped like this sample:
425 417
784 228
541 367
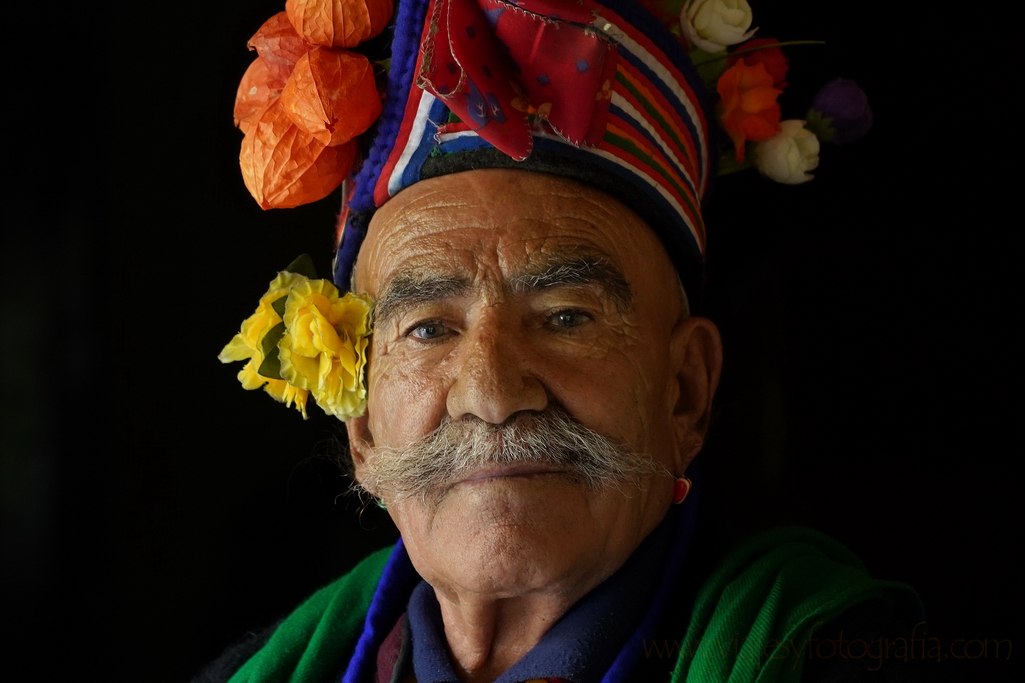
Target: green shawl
751 622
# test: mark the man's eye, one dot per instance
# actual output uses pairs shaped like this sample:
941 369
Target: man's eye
428 331
568 318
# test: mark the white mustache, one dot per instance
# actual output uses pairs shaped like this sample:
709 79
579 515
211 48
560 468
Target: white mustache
458 448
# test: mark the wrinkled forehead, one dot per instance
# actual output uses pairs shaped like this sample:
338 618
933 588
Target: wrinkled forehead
506 224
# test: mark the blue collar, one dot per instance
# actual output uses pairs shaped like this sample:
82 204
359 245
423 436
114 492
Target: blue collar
589 641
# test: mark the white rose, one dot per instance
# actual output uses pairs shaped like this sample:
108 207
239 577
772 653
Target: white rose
713 24
789 155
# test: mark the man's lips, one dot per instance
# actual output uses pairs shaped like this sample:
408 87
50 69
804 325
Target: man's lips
508 472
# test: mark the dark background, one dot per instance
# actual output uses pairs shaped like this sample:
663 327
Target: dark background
152 510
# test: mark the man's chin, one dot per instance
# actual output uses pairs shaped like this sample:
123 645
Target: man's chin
514 536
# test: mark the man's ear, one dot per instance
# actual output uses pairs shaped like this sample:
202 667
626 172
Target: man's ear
360 442
697 361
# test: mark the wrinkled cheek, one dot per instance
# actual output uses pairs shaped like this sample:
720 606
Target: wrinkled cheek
626 388
416 525
403 406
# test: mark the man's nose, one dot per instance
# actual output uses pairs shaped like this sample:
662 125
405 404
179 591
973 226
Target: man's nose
495 374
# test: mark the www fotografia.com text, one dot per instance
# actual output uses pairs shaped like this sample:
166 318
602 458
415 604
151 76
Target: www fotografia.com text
917 645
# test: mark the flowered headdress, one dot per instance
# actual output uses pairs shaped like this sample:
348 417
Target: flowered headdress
647 100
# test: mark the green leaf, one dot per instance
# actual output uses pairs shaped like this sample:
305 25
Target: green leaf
728 162
279 305
302 265
820 125
709 66
271 365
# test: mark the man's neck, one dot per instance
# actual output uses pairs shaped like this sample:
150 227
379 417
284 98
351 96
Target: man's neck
574 630
487 636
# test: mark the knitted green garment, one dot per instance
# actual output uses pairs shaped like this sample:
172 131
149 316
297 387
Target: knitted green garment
313 642
750 623
756 614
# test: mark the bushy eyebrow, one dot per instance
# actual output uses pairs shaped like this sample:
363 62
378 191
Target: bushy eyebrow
409 290
580 269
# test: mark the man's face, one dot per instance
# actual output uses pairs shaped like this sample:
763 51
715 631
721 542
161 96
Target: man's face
502 293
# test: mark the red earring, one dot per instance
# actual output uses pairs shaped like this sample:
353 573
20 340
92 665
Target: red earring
681 487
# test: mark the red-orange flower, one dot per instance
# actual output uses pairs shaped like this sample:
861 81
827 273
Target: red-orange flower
749 107
764 51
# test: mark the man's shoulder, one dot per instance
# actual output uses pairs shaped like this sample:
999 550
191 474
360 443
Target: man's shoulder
808 562
773 594
350 593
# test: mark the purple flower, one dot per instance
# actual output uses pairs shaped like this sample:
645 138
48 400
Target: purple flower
841 106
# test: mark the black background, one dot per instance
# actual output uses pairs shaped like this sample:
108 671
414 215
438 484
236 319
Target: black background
152 510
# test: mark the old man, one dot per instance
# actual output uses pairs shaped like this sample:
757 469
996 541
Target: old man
522 233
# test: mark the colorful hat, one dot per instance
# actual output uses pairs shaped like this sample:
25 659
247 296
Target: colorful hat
596 90
646 100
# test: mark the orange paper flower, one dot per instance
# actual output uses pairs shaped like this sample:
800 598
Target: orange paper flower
284 166
338 23
277 41
301 105
332 95
278 48
261 84
750 110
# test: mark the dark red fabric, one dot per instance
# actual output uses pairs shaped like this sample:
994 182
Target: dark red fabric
388 653
503 67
